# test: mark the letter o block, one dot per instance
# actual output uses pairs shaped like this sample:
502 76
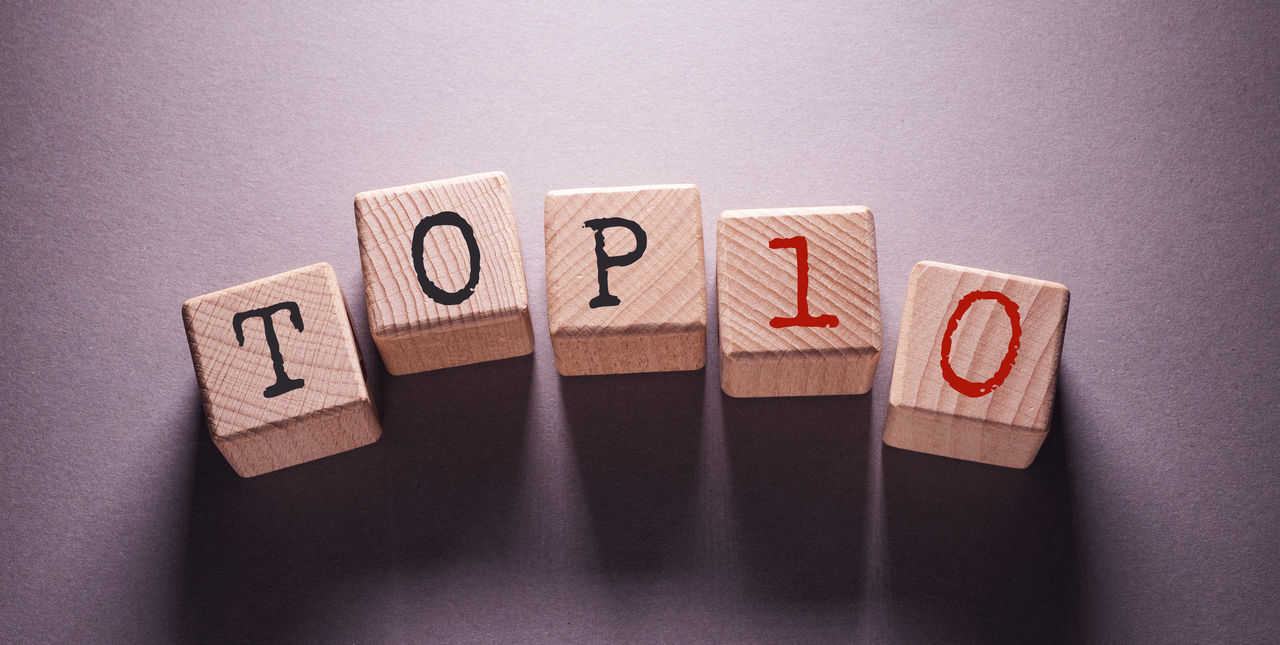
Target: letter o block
799 300
626 279
443 276
976 364
279 371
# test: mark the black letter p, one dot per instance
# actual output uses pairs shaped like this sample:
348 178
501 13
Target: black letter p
604 260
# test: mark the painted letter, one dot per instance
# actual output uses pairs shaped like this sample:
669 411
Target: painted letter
604 261
283 382
446 218
802 317
969 388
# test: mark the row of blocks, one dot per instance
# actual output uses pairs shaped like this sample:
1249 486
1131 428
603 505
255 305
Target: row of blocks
282 380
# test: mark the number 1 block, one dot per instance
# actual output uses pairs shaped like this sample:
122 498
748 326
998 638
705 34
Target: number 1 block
799 301
976 364
279 371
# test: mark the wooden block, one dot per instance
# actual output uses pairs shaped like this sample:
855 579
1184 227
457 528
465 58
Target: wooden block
626 279
976 364
799 300
279 371
443 277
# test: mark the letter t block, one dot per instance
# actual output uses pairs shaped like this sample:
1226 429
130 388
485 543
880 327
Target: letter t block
279 371
976 364
443 276
626 279
799 298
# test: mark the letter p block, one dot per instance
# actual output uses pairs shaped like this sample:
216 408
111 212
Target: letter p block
799 301
626 279
443 275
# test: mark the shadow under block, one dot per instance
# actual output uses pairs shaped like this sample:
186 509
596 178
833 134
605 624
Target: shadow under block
653 315
976 364
279 371
773 342
443 276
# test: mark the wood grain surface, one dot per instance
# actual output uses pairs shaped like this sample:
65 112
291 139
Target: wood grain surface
1006 426
415 333
660 323
330 413
756 283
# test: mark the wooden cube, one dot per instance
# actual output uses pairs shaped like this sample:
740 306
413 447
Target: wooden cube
799 300
626 279
976 364
279 371
443 277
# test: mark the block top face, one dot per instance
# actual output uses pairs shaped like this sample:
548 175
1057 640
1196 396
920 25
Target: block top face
664 289
757 284
969 313
234 377
389 221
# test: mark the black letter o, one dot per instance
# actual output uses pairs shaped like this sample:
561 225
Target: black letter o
446 218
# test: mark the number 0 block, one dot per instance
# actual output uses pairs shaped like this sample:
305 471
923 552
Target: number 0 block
279 371
799 301
626 279
443 277
976 364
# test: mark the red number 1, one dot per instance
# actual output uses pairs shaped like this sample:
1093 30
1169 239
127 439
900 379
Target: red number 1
802 317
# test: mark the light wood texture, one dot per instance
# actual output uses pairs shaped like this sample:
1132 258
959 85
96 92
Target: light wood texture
1006 425
327 412
414 332
660 323
757 284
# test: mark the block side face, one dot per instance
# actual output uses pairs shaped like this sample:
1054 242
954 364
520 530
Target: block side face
354 362
899 388
630 353
979 344
235 377
386 222
485 340
193 344
797 375
960 437
665 289
757 284
328 432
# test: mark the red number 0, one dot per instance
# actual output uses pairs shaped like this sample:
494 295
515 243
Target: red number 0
969 388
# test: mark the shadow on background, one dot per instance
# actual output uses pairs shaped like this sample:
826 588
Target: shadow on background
455 440
984 553
798 469
636 438
286 555
265 556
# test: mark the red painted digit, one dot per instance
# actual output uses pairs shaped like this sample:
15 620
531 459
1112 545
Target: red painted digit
969 388
802 317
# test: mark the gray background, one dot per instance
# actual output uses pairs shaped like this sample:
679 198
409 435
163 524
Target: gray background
153 153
